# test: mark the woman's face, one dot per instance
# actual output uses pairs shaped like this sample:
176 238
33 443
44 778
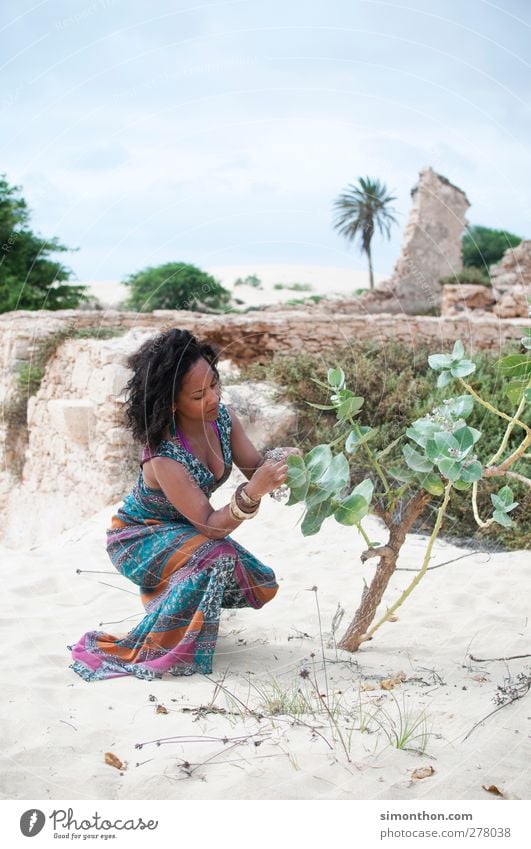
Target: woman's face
199 394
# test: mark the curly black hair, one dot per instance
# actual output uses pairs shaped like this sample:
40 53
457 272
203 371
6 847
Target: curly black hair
159 367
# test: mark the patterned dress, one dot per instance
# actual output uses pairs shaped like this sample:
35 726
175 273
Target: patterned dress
184 577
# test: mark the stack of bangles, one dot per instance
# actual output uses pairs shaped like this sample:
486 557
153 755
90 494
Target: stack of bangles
242 506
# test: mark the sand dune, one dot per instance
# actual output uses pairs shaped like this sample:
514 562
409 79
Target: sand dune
323 280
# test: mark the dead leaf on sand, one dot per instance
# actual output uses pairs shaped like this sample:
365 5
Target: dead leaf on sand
491 788
390 683
367 686
481 678
112 760
422 772
161 709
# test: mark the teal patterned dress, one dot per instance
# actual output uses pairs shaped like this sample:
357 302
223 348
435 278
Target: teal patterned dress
184 578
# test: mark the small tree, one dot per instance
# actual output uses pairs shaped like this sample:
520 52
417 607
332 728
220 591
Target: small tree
438 456
361 209
483 246
29 280
175 286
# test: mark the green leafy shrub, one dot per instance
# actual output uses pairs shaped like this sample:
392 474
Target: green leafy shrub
483 246
469 275
250 280
30 279
175 286
398 387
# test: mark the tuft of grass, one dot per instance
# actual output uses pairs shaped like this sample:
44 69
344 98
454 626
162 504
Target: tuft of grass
408 727
365 717
275 699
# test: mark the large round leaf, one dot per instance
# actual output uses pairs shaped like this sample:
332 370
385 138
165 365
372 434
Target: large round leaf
462 368
415 460
365 489
317 460
298 479
354 440
431 483
466 437
351 510
444 379
336 476
439 361
450 469
446 442
459 407
516 365
313 519
336 377
471 472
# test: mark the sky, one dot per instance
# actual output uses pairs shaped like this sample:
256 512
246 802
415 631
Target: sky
152 131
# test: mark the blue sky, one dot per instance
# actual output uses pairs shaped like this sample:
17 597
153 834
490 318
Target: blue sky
221 132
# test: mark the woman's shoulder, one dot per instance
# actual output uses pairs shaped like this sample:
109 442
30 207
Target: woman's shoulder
165 448
225 415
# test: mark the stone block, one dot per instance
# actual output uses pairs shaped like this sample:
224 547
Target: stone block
82 371
462 297
73 419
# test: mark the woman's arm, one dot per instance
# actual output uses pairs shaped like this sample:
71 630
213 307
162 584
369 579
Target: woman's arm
244 454
189 499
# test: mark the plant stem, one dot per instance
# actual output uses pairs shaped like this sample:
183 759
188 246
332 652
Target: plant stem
322 643
509 430
475 510
372 459
364 535
490 407
437 527
493 471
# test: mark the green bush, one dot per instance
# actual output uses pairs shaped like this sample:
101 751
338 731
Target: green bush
250 280
483 246
30 279
175 286
470 275
399 387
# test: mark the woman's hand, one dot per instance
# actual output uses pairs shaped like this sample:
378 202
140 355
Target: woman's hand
266 478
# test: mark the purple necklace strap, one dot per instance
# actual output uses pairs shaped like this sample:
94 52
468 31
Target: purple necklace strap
147 456
184 439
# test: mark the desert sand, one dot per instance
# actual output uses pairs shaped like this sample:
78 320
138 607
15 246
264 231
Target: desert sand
58 727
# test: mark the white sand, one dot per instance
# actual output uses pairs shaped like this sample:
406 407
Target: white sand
57 727
323 280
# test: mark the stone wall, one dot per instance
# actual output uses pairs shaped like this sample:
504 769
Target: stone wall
510 293
76 455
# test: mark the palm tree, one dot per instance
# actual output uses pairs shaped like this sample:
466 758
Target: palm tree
361 209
